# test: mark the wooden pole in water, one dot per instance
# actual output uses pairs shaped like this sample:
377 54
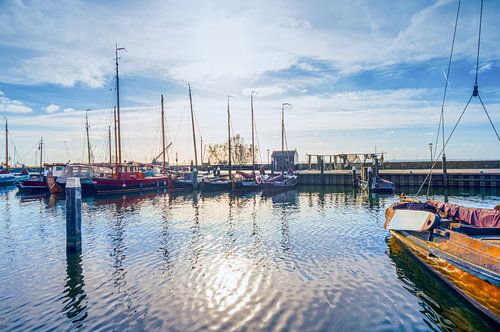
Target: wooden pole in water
192 125
73 193
163 135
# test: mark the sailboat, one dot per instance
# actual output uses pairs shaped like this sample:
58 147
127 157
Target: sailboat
458 244
125 177
38 183
287 179
7 178
245 181
221 183
180 181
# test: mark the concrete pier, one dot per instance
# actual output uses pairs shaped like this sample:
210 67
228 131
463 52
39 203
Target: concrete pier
456 178
73 215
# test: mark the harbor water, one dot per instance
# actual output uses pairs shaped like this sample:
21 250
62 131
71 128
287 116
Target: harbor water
313 259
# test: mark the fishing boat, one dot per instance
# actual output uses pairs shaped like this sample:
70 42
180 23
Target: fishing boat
125 177
128 177
286 180
85 173
460 245
372 182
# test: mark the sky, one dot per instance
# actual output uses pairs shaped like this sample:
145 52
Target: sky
360 75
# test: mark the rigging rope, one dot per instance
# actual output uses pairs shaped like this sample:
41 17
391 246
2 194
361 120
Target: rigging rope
441 118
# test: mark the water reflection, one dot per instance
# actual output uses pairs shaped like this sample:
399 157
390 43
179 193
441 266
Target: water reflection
440 306
75 300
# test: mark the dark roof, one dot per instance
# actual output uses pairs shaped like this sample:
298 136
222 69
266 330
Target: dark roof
287 153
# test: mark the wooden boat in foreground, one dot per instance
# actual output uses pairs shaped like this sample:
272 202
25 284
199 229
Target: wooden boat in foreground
459 245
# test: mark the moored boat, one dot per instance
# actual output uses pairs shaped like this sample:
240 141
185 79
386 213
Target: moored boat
460 245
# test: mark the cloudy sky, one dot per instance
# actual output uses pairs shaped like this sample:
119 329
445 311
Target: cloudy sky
360 74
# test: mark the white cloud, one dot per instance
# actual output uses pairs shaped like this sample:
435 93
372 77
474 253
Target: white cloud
12 106
219 45
52 108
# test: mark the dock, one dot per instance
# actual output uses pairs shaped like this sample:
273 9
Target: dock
457 178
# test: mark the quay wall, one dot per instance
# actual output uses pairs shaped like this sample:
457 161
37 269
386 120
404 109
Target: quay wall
456 179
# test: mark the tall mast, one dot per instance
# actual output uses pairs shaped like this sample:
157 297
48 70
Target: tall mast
283 131
192 124
229 134
6 144
163 135
118 104
116 137
201 151
109 144
253 142
41 155
88 137
282 127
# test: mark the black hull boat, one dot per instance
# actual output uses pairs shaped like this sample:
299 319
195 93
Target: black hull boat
280 183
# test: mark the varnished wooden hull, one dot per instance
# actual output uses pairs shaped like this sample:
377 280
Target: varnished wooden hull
469 266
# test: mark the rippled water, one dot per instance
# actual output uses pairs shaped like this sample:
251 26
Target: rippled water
313 259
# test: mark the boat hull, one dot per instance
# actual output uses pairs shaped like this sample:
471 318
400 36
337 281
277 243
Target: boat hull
460 275
114 186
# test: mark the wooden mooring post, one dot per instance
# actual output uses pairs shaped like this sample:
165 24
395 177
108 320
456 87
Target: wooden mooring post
73 215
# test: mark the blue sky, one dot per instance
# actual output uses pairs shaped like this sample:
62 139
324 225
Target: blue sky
359 74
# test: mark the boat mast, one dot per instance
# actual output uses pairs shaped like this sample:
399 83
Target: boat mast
118 103
88 137
192 124
41 155
109 144
253 142
283 132
229 135
6 144
201 151
116 137
163 135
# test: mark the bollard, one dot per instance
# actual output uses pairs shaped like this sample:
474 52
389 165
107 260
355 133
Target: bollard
354 177
369 178
194 177
73 215
322 169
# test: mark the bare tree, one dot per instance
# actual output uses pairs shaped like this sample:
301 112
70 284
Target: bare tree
241 153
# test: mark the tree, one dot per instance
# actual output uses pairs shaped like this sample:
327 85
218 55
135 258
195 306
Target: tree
241 153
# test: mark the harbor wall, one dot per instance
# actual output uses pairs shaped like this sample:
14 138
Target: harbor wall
456 179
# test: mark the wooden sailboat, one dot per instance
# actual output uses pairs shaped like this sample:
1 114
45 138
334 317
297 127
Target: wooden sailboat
180 181
7 178
221 183
125 177
245 181
460 245
287 179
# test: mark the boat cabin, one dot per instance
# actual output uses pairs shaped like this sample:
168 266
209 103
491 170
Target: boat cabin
283 160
